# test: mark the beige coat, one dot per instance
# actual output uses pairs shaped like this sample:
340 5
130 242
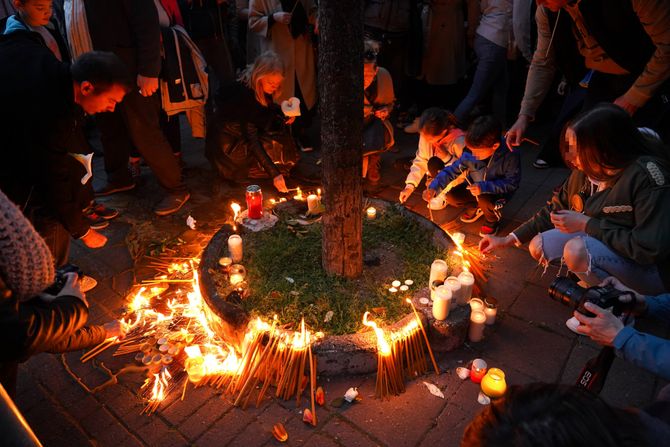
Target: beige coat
297 54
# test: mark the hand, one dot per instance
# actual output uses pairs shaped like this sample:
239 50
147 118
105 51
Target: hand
382 113
628 107
72 287
93 239
115 328
148 86
569 221
429 194
640 306
290 120
603 328
514 135
280 183
474 189
405 193
490 243
282 17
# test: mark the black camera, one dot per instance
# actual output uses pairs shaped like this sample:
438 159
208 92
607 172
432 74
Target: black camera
59 283
568 292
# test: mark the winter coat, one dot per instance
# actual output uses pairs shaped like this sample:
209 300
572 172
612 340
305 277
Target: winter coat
449 151
297 53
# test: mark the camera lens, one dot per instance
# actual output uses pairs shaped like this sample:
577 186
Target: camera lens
566 291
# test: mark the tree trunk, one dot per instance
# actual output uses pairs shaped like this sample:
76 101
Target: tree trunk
340 67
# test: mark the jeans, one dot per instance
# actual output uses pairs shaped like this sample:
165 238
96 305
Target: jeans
491 73
604 262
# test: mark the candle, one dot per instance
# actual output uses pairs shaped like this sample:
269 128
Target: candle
493 383
404 288
371 212
456 290
441 302
254 197
409 282
396 283
458 238
478 370
467 281
490 310
237 274
477 323
438 271
225 263
476 304
235 247
298 194
312 203
393 289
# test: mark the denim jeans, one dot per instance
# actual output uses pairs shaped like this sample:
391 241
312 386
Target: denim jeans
491 73
604 262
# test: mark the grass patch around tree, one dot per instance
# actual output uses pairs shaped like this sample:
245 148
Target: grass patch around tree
286 278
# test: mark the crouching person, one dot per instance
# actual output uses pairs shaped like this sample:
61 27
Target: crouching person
248 136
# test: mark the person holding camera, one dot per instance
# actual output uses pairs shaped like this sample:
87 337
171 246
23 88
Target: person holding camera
609 218
644 350
40 310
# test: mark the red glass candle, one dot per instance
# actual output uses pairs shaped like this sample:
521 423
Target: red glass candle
478 370
254 198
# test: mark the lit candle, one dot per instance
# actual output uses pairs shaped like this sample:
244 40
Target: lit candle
458 238
371 212
493 383
467 281
404 288
235 247
409 282
298 194
254 198
237 274
491 310
312 203
318 193
456 290
478 370
393 289
225 262
438 271
477 323
396 283
441 302
476 304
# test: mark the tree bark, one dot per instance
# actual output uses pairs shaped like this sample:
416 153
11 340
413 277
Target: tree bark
340 67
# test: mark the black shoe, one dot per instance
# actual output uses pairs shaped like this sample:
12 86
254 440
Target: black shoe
94 220
103 211
171 203
112 188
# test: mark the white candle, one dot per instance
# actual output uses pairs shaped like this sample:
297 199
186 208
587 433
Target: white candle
312 203
441 302
456 290
404 288
409 282
237 273
236 278
491 310
393 289
467 281
396 283
235 247
371 212
477 323
458 238
438 271
476 304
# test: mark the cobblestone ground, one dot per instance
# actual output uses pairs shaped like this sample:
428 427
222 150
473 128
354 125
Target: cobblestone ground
529 342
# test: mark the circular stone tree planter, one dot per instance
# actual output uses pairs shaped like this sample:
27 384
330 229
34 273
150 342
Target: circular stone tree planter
338 354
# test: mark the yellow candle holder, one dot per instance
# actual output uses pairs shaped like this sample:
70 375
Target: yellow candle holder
493 383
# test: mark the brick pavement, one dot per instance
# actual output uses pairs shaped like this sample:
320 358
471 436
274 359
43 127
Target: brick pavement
529 342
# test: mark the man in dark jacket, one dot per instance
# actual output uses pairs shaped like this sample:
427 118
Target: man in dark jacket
130 29
43 105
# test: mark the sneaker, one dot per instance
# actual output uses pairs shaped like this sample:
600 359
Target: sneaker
413 127
171 203
87 283
135 168
489 228
104 212
541 164
111 188
95 222
471 215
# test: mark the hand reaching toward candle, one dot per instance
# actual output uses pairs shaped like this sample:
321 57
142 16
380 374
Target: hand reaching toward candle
569 221
279 183
475 189
405 193
429 194
114 328
603 328
490 243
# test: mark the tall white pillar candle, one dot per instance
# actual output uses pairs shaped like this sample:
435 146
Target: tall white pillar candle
491 310
438 271
467 281
312 203
235 247
441 302
456 290
477 323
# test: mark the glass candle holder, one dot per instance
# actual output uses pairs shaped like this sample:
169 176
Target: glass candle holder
478 370
254 197
493 383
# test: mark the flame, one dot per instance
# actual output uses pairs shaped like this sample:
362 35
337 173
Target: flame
236 211
301 339
139 301
159 390
298 194
382 344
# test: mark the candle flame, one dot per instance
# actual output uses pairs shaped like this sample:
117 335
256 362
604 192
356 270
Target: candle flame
382 344
159 390
298 194
236 211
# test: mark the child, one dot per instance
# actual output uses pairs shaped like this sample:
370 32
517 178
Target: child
440 144
35 15
492 173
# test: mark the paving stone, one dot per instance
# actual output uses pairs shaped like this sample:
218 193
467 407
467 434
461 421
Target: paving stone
299 432
448 430
199 421
225 429
104 428
534 306
178 411
347 434
155 431
259 432
126 406
122 282
324 440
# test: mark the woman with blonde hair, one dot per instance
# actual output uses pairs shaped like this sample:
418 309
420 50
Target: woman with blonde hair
248 136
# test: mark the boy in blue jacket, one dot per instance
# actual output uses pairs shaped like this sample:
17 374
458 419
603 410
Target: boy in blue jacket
491 172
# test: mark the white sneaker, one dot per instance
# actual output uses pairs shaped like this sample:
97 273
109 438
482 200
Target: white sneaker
87 283
414 127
